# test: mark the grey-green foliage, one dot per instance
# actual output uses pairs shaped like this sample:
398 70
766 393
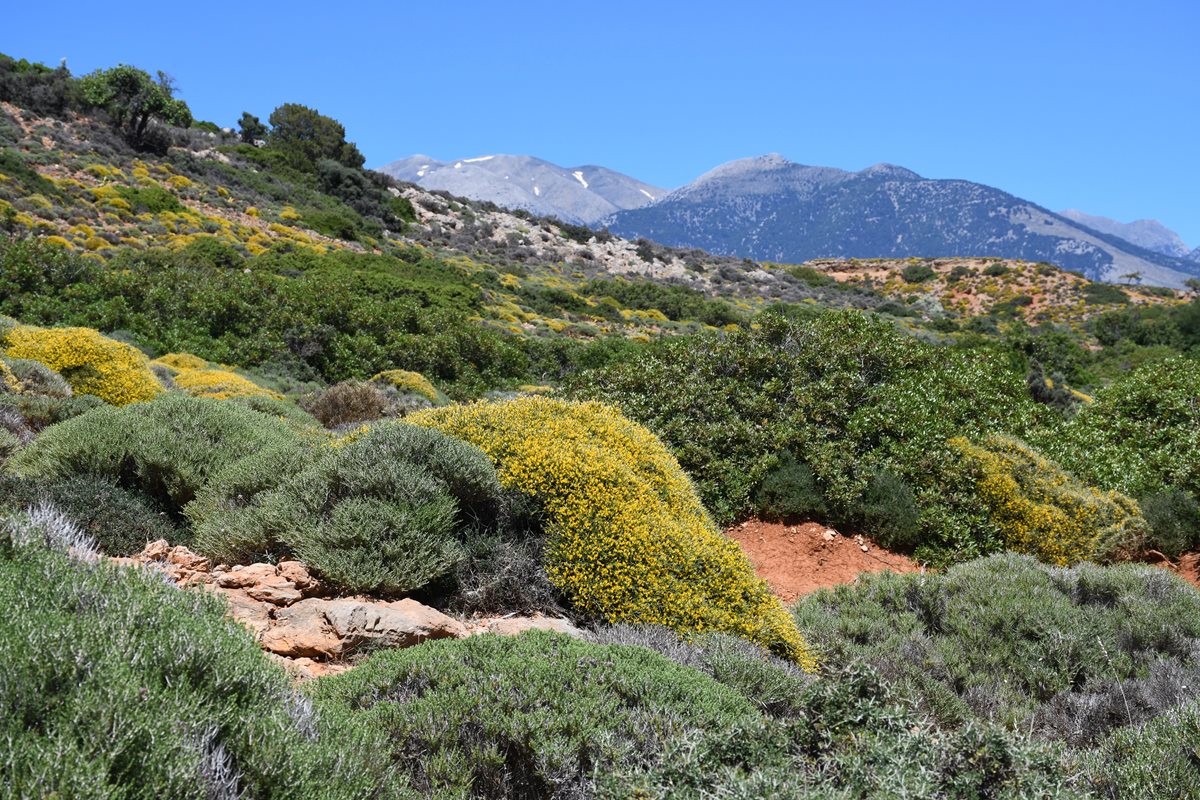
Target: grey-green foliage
542 715
167 448
1070 653
227 514
1158 759
381 513
120 521
116 684
37 378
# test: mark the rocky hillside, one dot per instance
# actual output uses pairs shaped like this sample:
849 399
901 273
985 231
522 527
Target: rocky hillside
770 208
574 194
1148 233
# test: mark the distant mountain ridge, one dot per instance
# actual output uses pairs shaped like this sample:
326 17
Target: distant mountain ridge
771 209
581 195
1148 233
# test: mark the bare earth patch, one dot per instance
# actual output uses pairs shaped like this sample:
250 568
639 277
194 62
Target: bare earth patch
797 559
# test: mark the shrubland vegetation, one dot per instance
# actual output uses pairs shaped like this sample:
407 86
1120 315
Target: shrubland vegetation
226 340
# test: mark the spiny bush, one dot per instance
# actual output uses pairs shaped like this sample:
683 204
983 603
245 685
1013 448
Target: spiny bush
226 514
628 539
1024 644
121 522
1042 510
34 377
1156 759
346 403
92 364
888 511
117 684
168 448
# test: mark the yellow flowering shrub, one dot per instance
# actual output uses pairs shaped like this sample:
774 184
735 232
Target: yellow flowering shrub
289 213
628 538
219 384
9 383
1044 511
180 361
408 381
201 378
91 363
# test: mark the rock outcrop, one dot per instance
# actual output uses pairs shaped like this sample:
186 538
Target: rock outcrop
311 633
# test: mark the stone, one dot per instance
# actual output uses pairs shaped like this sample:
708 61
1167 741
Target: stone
512 626
252 613
324 629
182 557
154 551
241 577
298 574
276 590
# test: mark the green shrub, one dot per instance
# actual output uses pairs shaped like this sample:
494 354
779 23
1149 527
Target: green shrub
996 270
531 716
383 513
1099 294
227 512
1156 759
119 521
888 512
41 411
789 491
1020 643
149 199
167 448
918 273
1173 517
37 378
116 684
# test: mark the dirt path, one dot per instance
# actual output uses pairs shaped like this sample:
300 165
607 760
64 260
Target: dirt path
797 559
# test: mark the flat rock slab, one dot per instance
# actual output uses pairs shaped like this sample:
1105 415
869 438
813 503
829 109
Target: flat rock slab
328 629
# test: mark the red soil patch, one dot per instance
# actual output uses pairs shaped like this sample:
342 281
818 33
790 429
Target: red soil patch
797 559
1187 568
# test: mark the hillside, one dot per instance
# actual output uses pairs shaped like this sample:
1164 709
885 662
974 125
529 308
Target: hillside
772 209
1148 233
316 483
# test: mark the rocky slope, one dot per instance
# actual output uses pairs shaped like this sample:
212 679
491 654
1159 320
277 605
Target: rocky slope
1148 233
772 209
573 194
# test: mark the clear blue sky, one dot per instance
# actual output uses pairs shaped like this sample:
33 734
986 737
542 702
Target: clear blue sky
1094 105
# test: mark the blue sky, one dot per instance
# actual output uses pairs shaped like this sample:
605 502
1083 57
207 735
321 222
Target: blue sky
1093 105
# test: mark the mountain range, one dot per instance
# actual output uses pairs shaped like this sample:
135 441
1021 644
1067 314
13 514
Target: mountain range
582 195
771 209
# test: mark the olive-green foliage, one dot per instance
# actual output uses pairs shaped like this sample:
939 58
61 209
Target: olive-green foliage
1103 294
116 684
917 273
149 199
134 100
848 394
1070 653
542 715
789 491
305 136
676 302
889 511
383 513
530 716
1173 516
335 316
167 448
120 521
1140 435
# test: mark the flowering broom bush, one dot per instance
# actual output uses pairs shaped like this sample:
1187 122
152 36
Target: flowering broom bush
1044 511
91 363
199 378
628 538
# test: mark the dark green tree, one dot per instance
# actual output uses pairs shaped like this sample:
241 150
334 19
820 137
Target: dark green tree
251 128
133 100
305 136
